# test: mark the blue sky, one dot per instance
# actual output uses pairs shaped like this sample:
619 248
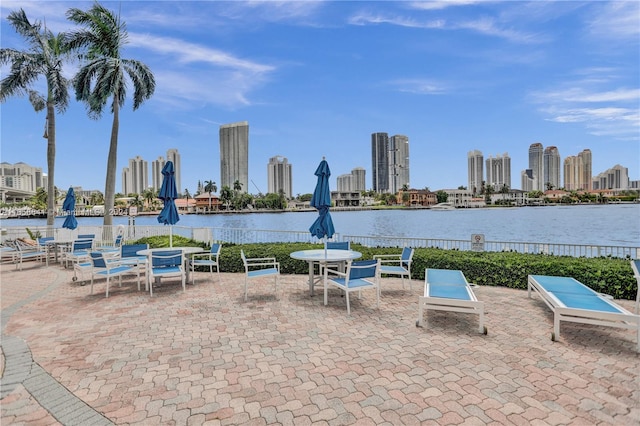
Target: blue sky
315 79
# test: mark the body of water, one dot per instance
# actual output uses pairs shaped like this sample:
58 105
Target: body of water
615 225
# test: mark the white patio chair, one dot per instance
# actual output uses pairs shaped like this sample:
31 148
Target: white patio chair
210 259
259 267
26 251
104 268
166 264
360 275
337 245
397 264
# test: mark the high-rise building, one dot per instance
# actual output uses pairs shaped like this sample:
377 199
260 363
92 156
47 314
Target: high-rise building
536 164
526 180
156 173
398 163
551 166
234 155
499 171
577 171
135 177
279 176
358 181
380 162
344 183
475 162
616 177
586 175
174 156
21 177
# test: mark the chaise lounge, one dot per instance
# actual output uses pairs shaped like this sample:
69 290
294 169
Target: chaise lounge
448 290
572 301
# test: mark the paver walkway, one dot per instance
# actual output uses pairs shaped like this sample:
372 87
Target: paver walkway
208 357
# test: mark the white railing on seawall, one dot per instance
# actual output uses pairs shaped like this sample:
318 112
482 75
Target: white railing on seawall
106 236
555 249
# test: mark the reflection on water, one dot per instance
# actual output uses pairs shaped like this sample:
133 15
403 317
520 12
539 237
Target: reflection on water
599 225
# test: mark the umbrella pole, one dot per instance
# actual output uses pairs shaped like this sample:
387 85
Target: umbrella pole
170 235
325 246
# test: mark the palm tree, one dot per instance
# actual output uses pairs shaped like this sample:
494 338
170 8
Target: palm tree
43 59
226 195
103 77
210 186
149 195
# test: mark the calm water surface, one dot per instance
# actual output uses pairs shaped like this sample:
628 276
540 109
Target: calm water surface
617 225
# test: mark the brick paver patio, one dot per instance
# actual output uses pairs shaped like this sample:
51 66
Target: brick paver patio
208 357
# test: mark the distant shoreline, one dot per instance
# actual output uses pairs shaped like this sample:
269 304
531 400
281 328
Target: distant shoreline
22 213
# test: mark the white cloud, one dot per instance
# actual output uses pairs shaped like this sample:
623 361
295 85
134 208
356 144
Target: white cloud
616 19
220 77
439 5
367 18
613 112
420 86
486 26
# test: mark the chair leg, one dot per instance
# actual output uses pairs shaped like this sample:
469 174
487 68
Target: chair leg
276 285
91 283
348 305
245 288
107 293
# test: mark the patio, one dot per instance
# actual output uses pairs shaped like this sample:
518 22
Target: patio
207 357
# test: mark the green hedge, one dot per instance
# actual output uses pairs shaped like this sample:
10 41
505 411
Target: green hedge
612 276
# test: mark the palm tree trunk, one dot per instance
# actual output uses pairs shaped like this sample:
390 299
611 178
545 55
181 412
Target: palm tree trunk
110 184
51 163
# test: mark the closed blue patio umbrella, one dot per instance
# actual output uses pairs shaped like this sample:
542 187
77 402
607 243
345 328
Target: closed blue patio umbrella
168 194
69 206
322 228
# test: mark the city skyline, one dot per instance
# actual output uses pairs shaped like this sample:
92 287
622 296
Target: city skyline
315 79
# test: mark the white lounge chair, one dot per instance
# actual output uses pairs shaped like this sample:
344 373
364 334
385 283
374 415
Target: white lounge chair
572 301
259 267
360 275
448 290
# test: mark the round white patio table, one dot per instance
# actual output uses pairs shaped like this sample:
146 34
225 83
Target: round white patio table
322 257
186 251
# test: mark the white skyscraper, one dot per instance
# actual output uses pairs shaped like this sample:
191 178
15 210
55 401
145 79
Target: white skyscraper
398 163
499 171
536 164
344 183
156 173
234 155
279 176
174 156
552 166
358 182
135 178
475 171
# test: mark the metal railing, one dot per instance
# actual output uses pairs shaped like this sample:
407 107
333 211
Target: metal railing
106 236
555 249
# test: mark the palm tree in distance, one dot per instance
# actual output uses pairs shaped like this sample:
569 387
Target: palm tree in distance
209 187
103 77
43 59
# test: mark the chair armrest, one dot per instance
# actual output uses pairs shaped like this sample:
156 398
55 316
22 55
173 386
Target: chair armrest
251 264
202 255
336 272
387 256
270 259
